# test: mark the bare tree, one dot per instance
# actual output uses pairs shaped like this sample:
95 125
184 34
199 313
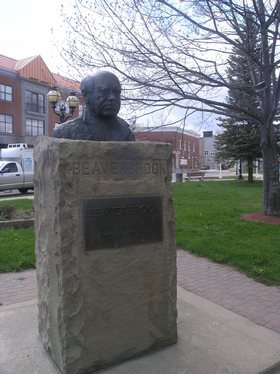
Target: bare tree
173 53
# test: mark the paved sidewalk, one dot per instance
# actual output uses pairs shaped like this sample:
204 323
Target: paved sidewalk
230 289
11 195
217 283
211 340
17 287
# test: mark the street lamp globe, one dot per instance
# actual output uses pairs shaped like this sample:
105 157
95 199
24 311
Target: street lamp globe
53 96
60 109
72 101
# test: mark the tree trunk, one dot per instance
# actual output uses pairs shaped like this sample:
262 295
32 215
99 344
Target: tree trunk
250 169
271 185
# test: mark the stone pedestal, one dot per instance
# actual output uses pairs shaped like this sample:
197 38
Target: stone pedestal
105 247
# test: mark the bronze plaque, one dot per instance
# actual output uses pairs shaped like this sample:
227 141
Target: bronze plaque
113 222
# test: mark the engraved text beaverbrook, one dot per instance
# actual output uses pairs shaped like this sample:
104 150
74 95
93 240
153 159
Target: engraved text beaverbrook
112 222
122 168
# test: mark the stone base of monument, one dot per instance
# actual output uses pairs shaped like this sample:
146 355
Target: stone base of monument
106 253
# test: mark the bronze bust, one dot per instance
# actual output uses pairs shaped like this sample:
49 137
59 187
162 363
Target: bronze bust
99 120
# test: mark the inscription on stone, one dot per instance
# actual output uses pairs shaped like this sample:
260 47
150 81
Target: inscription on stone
113 222
121 168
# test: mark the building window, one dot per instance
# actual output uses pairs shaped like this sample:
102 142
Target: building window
6 124
185 146
180 145
35 127
35 102
193 147
189 147
6 93
206 153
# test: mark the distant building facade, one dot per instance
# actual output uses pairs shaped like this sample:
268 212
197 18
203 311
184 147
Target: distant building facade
185 144
24 109
207 151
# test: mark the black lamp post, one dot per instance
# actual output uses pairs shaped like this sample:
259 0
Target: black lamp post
240 176
60 109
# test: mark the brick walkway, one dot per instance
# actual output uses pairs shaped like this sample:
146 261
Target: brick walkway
217 283
228 288
17 287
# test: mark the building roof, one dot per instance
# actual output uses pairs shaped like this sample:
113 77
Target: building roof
20 64
7 62
164 128
35 68
66 82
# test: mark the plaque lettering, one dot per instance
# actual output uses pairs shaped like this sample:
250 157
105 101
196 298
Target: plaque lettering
113 222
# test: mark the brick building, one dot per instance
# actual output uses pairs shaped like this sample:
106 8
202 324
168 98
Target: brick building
185 144
24 108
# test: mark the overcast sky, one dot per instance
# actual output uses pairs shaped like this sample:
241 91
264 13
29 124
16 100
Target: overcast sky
25 29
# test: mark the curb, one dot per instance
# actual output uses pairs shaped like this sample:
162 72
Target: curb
17 223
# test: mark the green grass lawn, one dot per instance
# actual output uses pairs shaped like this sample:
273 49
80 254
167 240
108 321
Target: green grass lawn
19 204
17 246
209 223
17 249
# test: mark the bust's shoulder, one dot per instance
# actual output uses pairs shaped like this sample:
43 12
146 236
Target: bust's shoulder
126 132
67 129
122 122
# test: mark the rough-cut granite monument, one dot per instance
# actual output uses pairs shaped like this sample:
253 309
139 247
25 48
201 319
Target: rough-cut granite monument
105 246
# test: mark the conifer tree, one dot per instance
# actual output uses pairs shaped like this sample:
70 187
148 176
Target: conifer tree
240 139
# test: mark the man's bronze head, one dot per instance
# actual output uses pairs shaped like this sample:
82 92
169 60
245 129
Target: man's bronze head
102 92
